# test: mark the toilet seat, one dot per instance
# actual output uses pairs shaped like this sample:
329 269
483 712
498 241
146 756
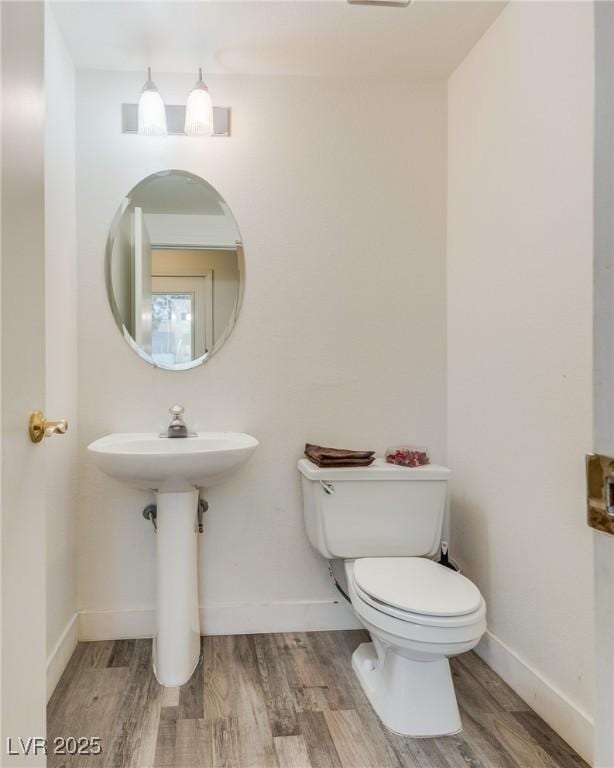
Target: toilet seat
404 622
415 619
417 589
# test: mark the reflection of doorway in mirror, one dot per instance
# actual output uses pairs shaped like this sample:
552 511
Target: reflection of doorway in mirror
220 267
187 334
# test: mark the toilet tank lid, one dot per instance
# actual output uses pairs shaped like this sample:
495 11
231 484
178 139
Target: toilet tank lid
379 470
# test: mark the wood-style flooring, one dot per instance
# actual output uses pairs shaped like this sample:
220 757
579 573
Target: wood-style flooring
285 701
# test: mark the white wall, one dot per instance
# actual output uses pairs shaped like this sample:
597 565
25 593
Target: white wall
61 345
520 133
340 339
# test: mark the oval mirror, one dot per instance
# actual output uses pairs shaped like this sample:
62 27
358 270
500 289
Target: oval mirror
174 270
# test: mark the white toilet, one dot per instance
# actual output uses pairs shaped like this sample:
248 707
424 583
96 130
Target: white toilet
385 522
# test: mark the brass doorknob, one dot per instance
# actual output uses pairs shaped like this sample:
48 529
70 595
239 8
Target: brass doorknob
39 427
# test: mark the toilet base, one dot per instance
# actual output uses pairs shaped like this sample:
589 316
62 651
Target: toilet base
413 698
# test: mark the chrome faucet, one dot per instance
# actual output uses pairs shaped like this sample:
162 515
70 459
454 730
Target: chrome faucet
177 427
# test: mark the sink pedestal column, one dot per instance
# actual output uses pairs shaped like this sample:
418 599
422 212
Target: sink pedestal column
176 646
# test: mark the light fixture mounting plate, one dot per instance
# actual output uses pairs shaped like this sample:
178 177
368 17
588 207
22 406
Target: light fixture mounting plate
389 3
175 119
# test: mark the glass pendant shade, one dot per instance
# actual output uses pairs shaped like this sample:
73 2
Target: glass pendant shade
199 110
152 114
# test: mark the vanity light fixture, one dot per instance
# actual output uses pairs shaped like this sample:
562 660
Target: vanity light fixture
152 113
199 110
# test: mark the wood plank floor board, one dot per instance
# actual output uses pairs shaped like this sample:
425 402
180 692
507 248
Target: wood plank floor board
121 653
292 752
416 753
377 736
170 697
302 666
518 742
194 744
306 680
485 743
89 709
219 677
97 654
319 743
133 740
86 696
287 700
191 695
457 753
505 697
549 740
68 678
352 743
256 746
310 699
164 756
279 699
225 747
476 699
341 692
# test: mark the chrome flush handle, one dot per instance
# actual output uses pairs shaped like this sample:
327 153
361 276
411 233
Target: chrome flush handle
329 488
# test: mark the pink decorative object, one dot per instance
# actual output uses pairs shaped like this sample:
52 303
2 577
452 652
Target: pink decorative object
408 456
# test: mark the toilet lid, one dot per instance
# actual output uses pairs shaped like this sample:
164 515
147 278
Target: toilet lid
417 584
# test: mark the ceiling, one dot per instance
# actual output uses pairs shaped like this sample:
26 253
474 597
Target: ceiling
428 39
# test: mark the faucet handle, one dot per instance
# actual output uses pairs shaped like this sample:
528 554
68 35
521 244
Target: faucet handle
176 411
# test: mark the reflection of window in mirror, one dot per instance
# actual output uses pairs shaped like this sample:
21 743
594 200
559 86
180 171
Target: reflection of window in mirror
172 327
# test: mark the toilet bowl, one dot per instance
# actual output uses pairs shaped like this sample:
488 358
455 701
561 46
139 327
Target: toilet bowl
420 615
385 522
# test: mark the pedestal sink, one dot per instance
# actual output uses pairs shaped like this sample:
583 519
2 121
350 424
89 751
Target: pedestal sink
175 469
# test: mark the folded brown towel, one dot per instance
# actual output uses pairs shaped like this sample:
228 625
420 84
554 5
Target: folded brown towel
320 452
338 457
342 462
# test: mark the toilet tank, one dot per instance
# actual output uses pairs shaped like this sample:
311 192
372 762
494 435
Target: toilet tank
378 511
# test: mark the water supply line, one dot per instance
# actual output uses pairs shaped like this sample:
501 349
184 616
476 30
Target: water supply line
336 583
151 513
203 506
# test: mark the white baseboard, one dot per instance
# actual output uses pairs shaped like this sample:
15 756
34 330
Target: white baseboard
225 619
568 720
282 616
117 625
61 653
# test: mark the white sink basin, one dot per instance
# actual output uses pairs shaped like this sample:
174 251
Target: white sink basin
175 468
145 460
